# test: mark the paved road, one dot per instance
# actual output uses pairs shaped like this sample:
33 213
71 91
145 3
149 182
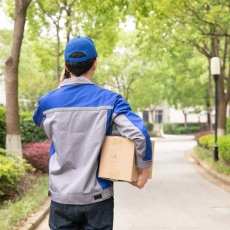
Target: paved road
177 198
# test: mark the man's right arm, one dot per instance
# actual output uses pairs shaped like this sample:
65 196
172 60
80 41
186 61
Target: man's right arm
132 126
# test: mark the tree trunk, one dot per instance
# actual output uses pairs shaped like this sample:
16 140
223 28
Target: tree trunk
152 117
185 118
13 137
57 53
208 98
222 103
222 110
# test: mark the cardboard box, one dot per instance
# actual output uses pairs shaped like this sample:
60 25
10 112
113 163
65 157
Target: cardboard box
118 159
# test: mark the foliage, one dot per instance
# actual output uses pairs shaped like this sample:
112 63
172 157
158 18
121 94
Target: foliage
5 42
200 134
37 154
223 145
12 169
206 155
186 37
13 212
149 126
179 128
29 131
207 141
36 73
118 73
228 126
167 57
224 148
2 126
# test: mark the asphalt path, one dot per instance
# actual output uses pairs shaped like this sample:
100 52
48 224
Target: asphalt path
176 198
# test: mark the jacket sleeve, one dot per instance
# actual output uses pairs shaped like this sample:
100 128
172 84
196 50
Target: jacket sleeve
131 126
38 116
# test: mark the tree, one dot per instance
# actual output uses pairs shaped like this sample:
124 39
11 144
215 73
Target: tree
212 23
122 68
36 73
98 20
13 138
201 24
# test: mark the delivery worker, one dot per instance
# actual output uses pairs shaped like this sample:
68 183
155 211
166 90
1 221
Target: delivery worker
76 118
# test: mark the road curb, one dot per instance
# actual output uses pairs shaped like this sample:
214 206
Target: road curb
33 222
219 176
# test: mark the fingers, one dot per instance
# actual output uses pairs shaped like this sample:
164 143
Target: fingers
142 178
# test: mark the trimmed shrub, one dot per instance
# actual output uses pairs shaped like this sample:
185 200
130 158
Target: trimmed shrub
223 145
149 126
37 154
200 134
179 128
2 127
29 131
207 141
228 125
169 128
11 171
224 148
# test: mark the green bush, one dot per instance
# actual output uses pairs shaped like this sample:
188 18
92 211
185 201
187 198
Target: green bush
207 141
223 145
169 128
179 128
29 131
224 148
11 170
2 127
228 125
149 126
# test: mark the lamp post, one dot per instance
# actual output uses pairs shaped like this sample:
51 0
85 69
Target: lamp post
215 71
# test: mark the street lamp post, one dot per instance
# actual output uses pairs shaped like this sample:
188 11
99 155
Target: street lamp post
215 71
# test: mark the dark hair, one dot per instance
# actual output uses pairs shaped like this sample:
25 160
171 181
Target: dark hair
79 68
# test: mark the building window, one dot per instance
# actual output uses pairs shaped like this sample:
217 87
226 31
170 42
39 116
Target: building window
159 116
146 116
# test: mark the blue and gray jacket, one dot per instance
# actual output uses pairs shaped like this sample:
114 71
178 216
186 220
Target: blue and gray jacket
76 118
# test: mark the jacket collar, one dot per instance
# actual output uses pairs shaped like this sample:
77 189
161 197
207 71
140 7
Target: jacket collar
76 81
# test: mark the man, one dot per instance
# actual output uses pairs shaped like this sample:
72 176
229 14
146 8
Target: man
76 117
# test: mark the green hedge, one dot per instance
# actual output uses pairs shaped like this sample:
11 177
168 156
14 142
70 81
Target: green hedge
29 131
149 126
223 145
2 127
11 170
224 148
228 125
178 128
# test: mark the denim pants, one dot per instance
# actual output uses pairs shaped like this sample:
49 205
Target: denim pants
82 217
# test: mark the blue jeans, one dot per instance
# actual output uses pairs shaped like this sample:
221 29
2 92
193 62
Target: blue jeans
82 217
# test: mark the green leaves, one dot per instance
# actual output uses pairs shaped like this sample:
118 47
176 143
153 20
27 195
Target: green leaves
10 171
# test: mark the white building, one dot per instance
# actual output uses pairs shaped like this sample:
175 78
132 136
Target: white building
165 114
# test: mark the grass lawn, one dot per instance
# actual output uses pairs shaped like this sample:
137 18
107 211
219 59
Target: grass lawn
206 155
32 195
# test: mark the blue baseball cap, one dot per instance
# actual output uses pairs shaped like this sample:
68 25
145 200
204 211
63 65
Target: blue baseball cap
80 49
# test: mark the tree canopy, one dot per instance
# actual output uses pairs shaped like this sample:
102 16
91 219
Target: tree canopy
167 56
